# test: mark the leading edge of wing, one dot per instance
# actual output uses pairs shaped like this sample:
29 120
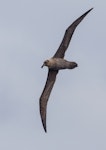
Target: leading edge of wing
68 35
45 95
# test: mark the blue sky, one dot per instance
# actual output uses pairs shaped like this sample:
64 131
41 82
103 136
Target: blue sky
30 32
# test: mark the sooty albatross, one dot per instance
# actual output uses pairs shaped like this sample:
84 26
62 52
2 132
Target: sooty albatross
56 63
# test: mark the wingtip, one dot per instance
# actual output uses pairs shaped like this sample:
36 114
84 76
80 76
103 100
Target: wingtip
91 8
45 130
44 126
89 11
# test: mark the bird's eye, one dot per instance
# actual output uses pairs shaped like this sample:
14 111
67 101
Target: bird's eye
46 61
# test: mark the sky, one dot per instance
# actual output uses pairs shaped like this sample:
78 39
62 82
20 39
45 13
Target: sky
30 32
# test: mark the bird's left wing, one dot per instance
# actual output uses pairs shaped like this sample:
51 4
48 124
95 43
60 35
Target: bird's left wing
68 35
45 95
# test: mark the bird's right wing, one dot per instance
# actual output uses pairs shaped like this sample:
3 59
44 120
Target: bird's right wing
45 95
68 35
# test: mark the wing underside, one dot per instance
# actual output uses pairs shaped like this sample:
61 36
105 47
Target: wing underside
45 95
68 35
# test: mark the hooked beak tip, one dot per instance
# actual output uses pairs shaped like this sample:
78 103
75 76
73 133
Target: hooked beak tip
42 66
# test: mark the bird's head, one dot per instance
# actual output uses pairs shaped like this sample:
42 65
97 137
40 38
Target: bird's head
45 63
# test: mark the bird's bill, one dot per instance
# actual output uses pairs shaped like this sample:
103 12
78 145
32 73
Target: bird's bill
42 65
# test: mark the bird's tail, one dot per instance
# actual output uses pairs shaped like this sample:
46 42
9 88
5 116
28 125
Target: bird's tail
72 65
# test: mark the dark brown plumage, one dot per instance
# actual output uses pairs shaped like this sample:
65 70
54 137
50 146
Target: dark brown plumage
55 64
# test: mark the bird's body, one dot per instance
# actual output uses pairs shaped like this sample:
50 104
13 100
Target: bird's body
56 63
59 64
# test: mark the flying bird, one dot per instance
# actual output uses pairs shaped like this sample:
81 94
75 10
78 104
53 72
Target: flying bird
56 63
